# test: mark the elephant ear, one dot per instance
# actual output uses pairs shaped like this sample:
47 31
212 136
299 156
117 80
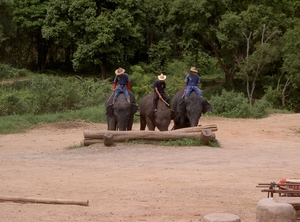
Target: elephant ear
206 107
109 110
134 108
180 112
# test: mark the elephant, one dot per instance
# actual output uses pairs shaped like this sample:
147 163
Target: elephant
160 119
120 115
189 110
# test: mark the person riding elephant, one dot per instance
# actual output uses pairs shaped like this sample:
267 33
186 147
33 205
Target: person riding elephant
159 91
192 83
120 115
121 84
188 110
159 119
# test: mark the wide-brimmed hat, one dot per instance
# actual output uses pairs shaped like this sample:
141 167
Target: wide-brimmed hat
119 71
193 69
161 77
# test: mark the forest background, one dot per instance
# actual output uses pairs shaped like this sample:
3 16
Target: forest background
60 55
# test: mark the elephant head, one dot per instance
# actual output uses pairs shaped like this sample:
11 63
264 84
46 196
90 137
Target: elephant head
120 115
189 110
160 119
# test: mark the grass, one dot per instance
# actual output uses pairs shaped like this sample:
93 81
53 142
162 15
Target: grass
75 146
182 142
21 123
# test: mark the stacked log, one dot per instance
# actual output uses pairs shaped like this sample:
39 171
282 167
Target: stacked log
203 133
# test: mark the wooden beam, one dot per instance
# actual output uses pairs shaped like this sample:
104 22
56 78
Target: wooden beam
44 200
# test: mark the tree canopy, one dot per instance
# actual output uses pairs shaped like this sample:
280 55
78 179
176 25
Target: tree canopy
249 40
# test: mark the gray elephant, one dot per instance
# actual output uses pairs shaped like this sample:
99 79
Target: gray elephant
120 115
160 119
189 110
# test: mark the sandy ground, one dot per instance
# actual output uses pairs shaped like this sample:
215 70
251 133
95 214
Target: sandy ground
146 182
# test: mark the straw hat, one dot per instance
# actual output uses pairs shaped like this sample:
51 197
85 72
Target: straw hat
119 71
161 77
193 69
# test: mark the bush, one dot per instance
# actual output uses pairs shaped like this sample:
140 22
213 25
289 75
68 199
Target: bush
50 94
231 104
14 103
7 72
260 107
273 97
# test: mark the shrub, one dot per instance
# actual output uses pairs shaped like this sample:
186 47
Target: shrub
7 72
259 108
14 103
273 97
230 104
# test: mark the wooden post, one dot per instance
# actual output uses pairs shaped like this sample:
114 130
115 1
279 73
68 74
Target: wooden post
108 139
205 136
44 200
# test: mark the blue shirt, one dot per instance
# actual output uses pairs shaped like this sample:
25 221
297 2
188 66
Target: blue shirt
192 80
122 79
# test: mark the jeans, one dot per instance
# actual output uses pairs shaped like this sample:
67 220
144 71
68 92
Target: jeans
189 89
121 89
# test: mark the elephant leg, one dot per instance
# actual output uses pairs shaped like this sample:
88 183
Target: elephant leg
130 122
142 123
150 125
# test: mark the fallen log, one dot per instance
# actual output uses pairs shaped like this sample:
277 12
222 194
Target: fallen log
147 135
44 200
181 133
196 129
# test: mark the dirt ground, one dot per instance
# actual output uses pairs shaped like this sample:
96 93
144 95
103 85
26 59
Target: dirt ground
146 182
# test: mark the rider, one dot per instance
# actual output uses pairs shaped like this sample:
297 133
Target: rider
159 91
192 83
121 84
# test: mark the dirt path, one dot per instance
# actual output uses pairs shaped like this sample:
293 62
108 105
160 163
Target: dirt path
146 182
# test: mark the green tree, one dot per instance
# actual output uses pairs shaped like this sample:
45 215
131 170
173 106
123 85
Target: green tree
6 25
29 17
65 25
291 67
219 27
112 36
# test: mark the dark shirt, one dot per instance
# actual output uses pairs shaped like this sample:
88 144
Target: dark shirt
160 86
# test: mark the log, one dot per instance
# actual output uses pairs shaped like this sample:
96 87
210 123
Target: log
44 200
150 139
96 134
108 139
196 129
147 135
205 136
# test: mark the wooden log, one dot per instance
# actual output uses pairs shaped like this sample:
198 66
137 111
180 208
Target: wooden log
108 139
147 135
44 200
98 134
196 129
205 136
121 136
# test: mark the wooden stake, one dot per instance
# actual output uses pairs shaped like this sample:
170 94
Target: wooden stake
108 139
44 200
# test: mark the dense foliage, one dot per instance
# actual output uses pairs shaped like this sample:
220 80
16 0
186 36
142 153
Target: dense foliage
253 44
